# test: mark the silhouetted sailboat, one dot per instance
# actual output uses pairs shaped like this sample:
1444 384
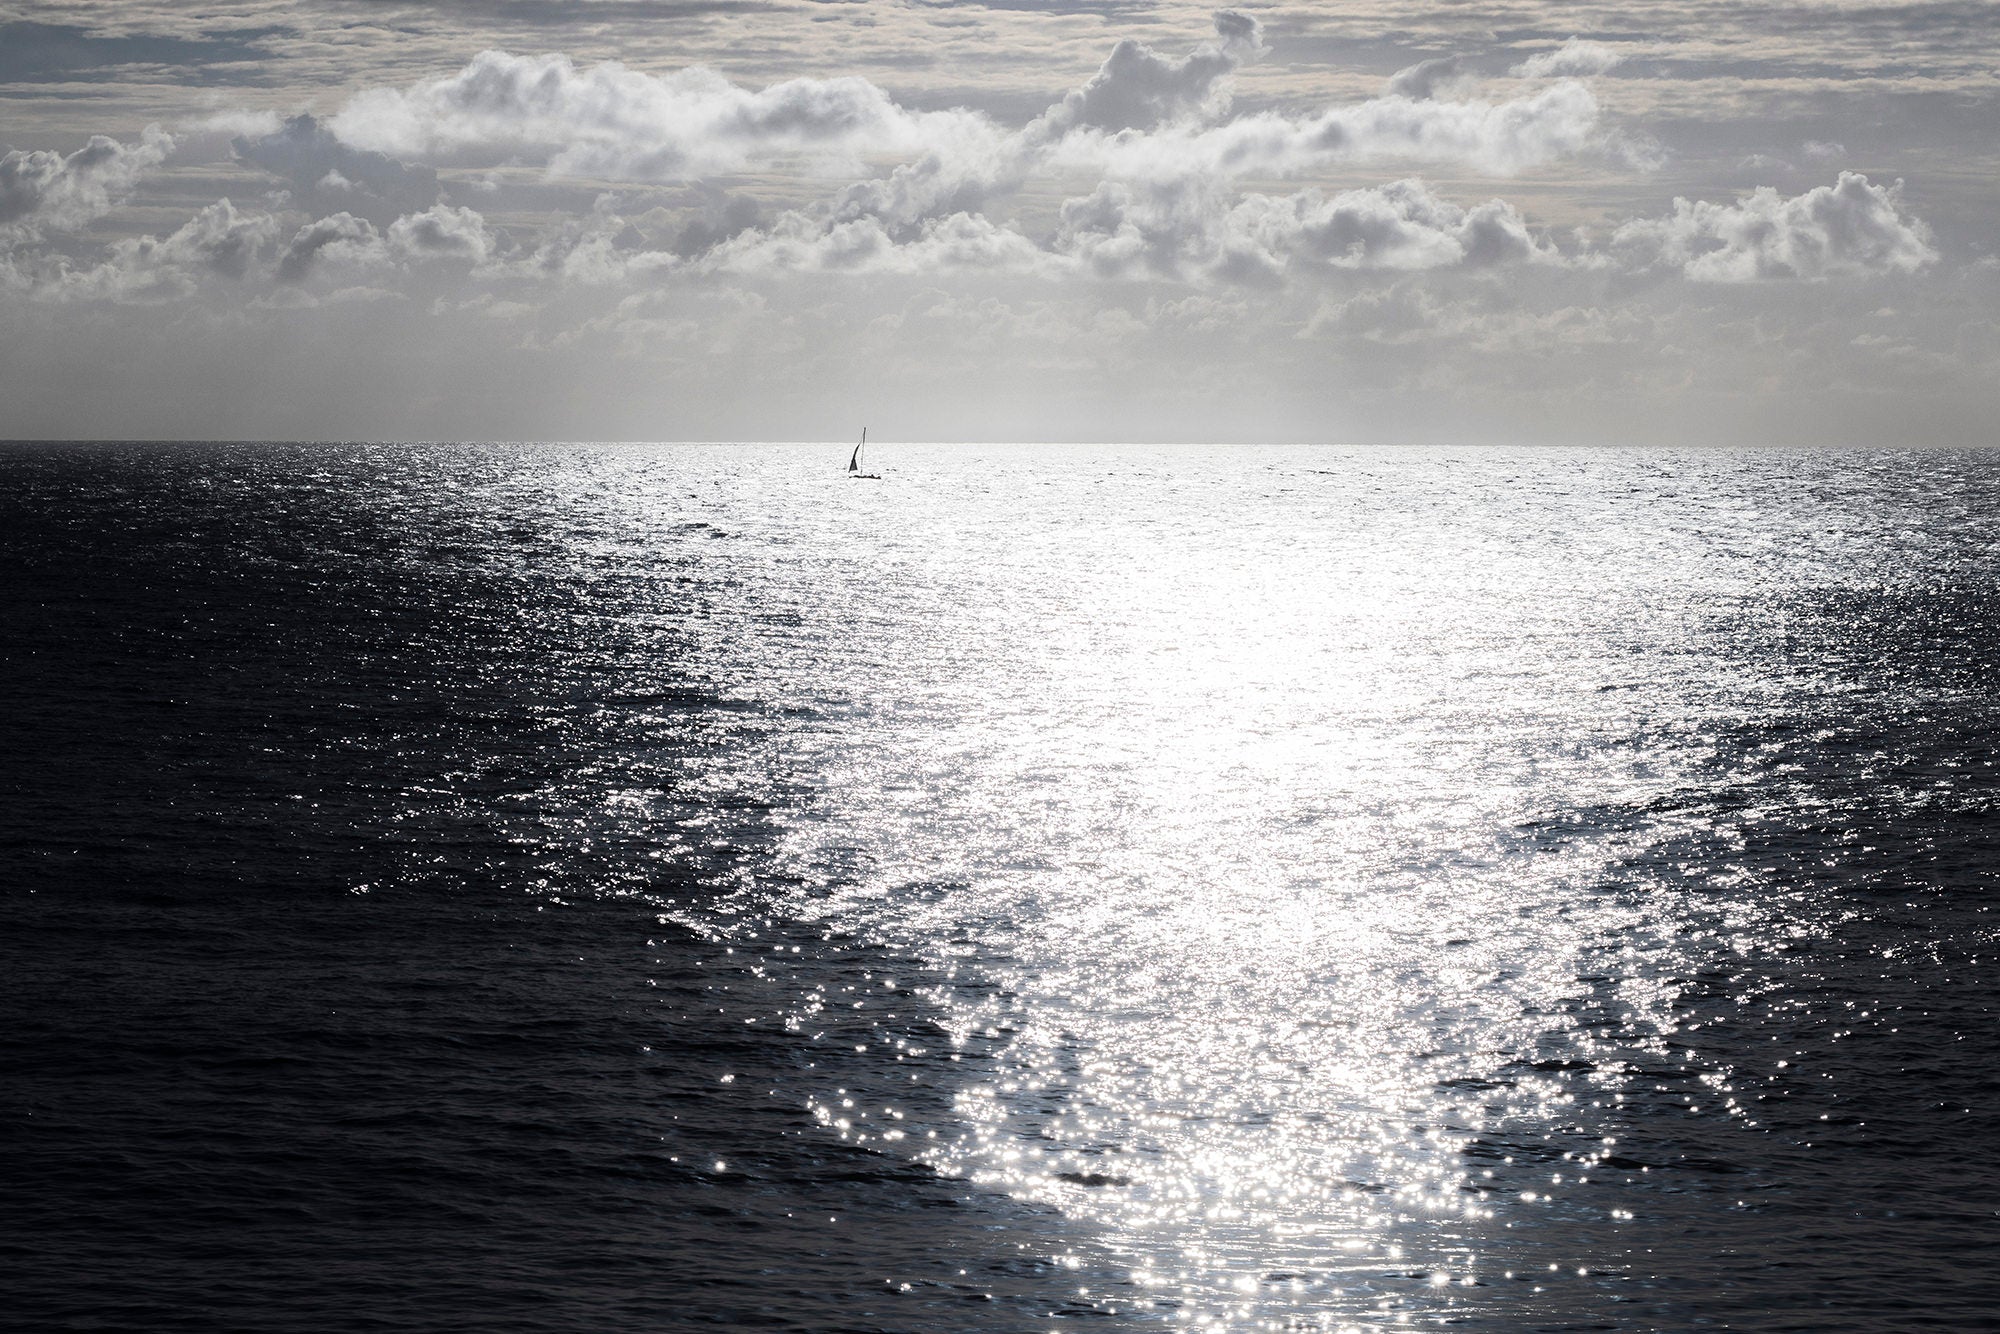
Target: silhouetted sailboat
854 462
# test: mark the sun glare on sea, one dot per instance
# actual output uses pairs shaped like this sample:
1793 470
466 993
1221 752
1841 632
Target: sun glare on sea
1227 811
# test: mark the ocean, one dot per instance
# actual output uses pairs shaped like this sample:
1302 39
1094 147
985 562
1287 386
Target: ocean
617 887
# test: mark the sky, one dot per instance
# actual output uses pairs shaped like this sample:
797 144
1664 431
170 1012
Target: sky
1494 221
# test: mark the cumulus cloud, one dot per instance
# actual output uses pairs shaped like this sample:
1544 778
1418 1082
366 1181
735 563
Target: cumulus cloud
613 122
326 174
224 243
1157 132
934 203
1181 230
358 248
1157 129
43 191
1142 113
1501 136
1397 226
441 232
1498 137
219 241
1574 58
1169 228
724 217
970 165
1852 228
341 236
1119 219
1428 78
960 242
600 250
1137 88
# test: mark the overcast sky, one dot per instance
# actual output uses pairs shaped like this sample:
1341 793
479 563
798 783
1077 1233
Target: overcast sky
1494 221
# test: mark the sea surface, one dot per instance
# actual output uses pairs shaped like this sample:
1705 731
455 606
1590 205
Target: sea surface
622 888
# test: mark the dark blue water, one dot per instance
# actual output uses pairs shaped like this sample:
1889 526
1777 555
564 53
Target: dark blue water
581 888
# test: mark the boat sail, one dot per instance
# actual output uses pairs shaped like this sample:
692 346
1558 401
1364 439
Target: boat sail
854 462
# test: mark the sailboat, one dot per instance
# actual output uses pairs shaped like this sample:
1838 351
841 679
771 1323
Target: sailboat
854 462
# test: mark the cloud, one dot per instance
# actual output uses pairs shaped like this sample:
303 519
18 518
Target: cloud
1574 58
1142 114
1138 89
1428 78
248 249
1501 136
441 232
599 250
326 174
1191 230
1849 229
340 237
960 242
971 163
1119 218
724 216
1171 228
219 241
1498 137
43 191
616 123
1157 128
1397 226
1181 230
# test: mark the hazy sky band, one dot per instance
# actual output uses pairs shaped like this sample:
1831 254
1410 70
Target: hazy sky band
622 219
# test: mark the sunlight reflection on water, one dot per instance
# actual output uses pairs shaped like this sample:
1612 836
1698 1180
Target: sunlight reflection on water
1292 829
1249 888
1225 802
